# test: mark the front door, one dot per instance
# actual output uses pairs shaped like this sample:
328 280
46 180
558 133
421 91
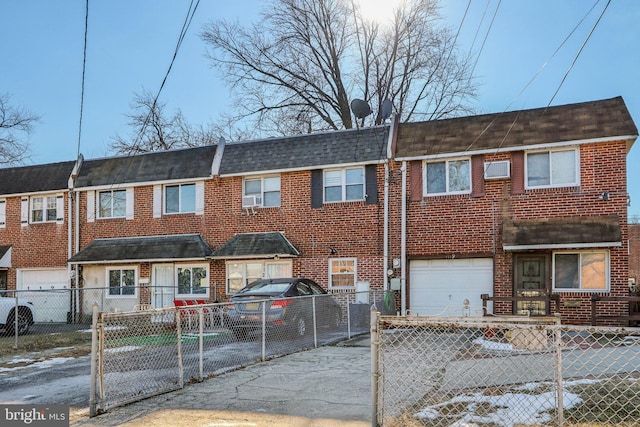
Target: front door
531 281
163 288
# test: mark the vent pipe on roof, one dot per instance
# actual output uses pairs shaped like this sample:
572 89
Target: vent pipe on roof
217 158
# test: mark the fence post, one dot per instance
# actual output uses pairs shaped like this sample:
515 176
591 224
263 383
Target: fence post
15 323
560 385
315 323
348 317
178 317
94 360
264 330
374 338
200 343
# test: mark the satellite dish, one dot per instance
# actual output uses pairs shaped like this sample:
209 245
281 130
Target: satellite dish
387 109
360 108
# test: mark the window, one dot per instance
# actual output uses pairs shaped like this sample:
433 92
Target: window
450 176
192 280
344 185
558 168
585 271
122 282
342 272
180 198
241 273
112 204
265 189
43 209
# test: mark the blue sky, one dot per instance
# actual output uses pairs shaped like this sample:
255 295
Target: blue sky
131 42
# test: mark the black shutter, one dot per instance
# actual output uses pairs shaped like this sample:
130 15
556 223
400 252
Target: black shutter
316 188
371 178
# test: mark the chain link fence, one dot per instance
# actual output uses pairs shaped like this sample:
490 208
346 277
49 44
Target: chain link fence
503 372
141 353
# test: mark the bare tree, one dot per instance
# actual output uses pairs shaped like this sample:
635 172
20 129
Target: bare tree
16 124
301 65
154 130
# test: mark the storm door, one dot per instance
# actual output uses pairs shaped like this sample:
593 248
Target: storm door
163 288
531 280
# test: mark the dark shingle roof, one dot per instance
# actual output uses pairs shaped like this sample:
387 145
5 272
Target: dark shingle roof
306 151
38 178
160 166
186 246
573 122
265 245
562 232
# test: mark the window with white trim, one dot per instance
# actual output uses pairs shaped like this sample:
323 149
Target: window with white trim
342 272
241 273
447 177
43 209
121 281
112 204
265 189
552 168
344 185
180 198
581 271
192 280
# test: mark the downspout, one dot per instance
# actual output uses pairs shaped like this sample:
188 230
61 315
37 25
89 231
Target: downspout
403 243
385 253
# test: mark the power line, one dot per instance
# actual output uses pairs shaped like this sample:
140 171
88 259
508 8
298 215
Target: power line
84 63
579 52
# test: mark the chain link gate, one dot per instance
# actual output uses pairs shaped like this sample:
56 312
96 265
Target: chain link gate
430 371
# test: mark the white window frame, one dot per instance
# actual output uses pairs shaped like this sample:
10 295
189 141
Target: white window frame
206 286
99 205
579 272
180 201
46 200
425 187
122 268
260 196
246 280
576 181
344 185
333 261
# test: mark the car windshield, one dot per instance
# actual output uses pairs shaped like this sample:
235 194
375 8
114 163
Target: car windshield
261 288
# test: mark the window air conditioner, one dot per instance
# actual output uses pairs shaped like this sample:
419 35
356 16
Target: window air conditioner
251 201
497 170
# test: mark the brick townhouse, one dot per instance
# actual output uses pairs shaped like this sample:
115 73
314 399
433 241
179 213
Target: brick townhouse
202 223
35 232
521 203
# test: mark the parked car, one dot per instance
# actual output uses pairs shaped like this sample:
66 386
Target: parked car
288 307
8 311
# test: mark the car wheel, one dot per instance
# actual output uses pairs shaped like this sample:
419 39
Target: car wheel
300 327
24 322
239 333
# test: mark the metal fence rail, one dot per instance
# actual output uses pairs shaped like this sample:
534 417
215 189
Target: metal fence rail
151 351
503 372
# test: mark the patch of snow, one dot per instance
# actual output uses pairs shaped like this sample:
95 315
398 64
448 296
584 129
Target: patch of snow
122 349
39 364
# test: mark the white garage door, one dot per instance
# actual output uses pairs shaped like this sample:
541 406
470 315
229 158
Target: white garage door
48 290
441 286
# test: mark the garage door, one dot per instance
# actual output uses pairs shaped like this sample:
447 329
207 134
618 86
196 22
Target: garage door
441 286
48 289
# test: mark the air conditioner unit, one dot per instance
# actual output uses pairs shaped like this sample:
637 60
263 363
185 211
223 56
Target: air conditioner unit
251 201
497 170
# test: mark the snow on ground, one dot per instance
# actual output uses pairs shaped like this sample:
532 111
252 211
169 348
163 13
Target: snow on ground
33 363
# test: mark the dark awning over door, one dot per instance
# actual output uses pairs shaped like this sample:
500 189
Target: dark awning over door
256 245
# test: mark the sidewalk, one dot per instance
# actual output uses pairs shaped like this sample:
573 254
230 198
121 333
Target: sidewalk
327 386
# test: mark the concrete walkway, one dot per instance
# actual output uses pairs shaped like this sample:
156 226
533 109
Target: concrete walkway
327 386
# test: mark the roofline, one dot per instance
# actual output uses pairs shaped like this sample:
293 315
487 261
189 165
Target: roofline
519 148
305 135
304 168
261 256
142 260
562 246
142 184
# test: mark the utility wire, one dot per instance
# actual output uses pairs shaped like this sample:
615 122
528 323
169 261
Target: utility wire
84 63
486 36
185 26
579 52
